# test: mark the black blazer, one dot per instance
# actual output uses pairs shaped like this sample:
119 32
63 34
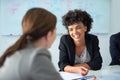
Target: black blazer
67 52
115 49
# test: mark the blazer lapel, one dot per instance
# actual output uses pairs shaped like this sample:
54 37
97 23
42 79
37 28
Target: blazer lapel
71 47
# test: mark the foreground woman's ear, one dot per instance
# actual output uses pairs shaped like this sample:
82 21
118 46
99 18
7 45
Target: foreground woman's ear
48 35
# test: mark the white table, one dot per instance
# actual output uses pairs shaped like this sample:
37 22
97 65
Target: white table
106 73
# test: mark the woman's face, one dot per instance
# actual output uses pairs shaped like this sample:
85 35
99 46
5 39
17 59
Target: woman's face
77 31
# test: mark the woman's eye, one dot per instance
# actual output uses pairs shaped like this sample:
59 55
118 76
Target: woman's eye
70 29
78 27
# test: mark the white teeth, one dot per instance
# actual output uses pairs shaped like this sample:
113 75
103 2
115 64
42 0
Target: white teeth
76 36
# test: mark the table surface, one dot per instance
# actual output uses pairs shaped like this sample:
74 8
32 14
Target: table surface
106 73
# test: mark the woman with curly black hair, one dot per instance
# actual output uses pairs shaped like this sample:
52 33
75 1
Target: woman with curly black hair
79 50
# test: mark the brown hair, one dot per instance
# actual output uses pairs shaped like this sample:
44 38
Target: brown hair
36 23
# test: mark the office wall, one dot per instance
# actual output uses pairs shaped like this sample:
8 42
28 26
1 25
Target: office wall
6 41
14 11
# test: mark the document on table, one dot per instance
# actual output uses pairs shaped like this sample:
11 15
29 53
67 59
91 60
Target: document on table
75 76
70 76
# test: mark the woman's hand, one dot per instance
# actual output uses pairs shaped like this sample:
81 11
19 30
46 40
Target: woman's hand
77 68
82 70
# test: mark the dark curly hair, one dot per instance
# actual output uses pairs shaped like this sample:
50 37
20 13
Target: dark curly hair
76 16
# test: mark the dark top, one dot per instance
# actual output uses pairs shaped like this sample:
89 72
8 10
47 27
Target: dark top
67 52
115 49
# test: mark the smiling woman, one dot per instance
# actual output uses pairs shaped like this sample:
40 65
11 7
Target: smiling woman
79 50
77 30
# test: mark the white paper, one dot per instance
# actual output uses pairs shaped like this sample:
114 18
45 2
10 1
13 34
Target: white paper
70 76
